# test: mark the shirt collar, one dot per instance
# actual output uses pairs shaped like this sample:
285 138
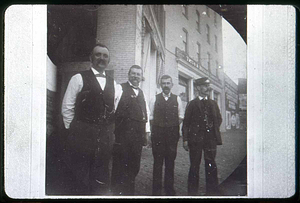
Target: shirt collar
166 95
206 98
132 84
96 72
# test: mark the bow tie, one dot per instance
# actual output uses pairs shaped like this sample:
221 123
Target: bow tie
134 87
100 75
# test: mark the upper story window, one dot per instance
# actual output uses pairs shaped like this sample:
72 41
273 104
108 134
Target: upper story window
185 10
217 69
208 61
198 22
207 34
199 52
185 40
216 43
215 19
207 11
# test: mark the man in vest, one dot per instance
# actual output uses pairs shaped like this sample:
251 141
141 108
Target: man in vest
88 114
131 125
166 116
201 132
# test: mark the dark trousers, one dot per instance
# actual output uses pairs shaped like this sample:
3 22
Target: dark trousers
87 155
208 145
126 154
164 148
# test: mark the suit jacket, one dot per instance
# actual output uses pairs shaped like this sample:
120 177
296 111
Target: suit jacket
191 128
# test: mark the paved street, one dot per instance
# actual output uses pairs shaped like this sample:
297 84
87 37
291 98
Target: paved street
229 156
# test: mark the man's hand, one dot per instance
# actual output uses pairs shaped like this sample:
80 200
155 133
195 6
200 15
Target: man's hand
185 145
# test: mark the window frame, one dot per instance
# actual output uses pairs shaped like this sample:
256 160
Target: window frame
207 33
199 53
216 43
198 21
185 10
186 41
208 62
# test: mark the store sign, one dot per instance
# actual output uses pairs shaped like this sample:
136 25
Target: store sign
181 54
243 101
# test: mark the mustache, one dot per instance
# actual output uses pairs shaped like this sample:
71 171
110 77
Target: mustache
166 88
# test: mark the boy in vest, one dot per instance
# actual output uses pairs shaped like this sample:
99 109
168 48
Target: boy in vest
88 114
166 116
131 125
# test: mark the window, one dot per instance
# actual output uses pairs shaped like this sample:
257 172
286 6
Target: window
207 11
185 10
198 22
216 43
207 34
216 97
215 19
185 40
208 61
183 90
199 52
217 69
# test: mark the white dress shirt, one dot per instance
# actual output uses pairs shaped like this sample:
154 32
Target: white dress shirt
74 87
180 109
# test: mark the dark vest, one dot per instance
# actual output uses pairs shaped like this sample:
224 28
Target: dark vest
131 106
166 112
94 105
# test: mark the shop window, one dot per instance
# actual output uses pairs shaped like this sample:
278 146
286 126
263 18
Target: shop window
183 90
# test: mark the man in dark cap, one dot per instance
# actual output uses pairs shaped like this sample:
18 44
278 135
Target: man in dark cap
201 132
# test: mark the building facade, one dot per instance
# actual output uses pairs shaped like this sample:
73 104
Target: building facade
232 119
184 41
194 50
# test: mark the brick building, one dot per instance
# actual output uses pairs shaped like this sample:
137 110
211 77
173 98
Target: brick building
184 41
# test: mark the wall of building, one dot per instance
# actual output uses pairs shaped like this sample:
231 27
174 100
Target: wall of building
116 27
186 63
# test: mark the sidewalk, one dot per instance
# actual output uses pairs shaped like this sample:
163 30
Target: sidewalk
229 156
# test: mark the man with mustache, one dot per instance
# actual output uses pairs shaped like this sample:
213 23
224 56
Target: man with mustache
201 132
165 118
88 109
131 126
